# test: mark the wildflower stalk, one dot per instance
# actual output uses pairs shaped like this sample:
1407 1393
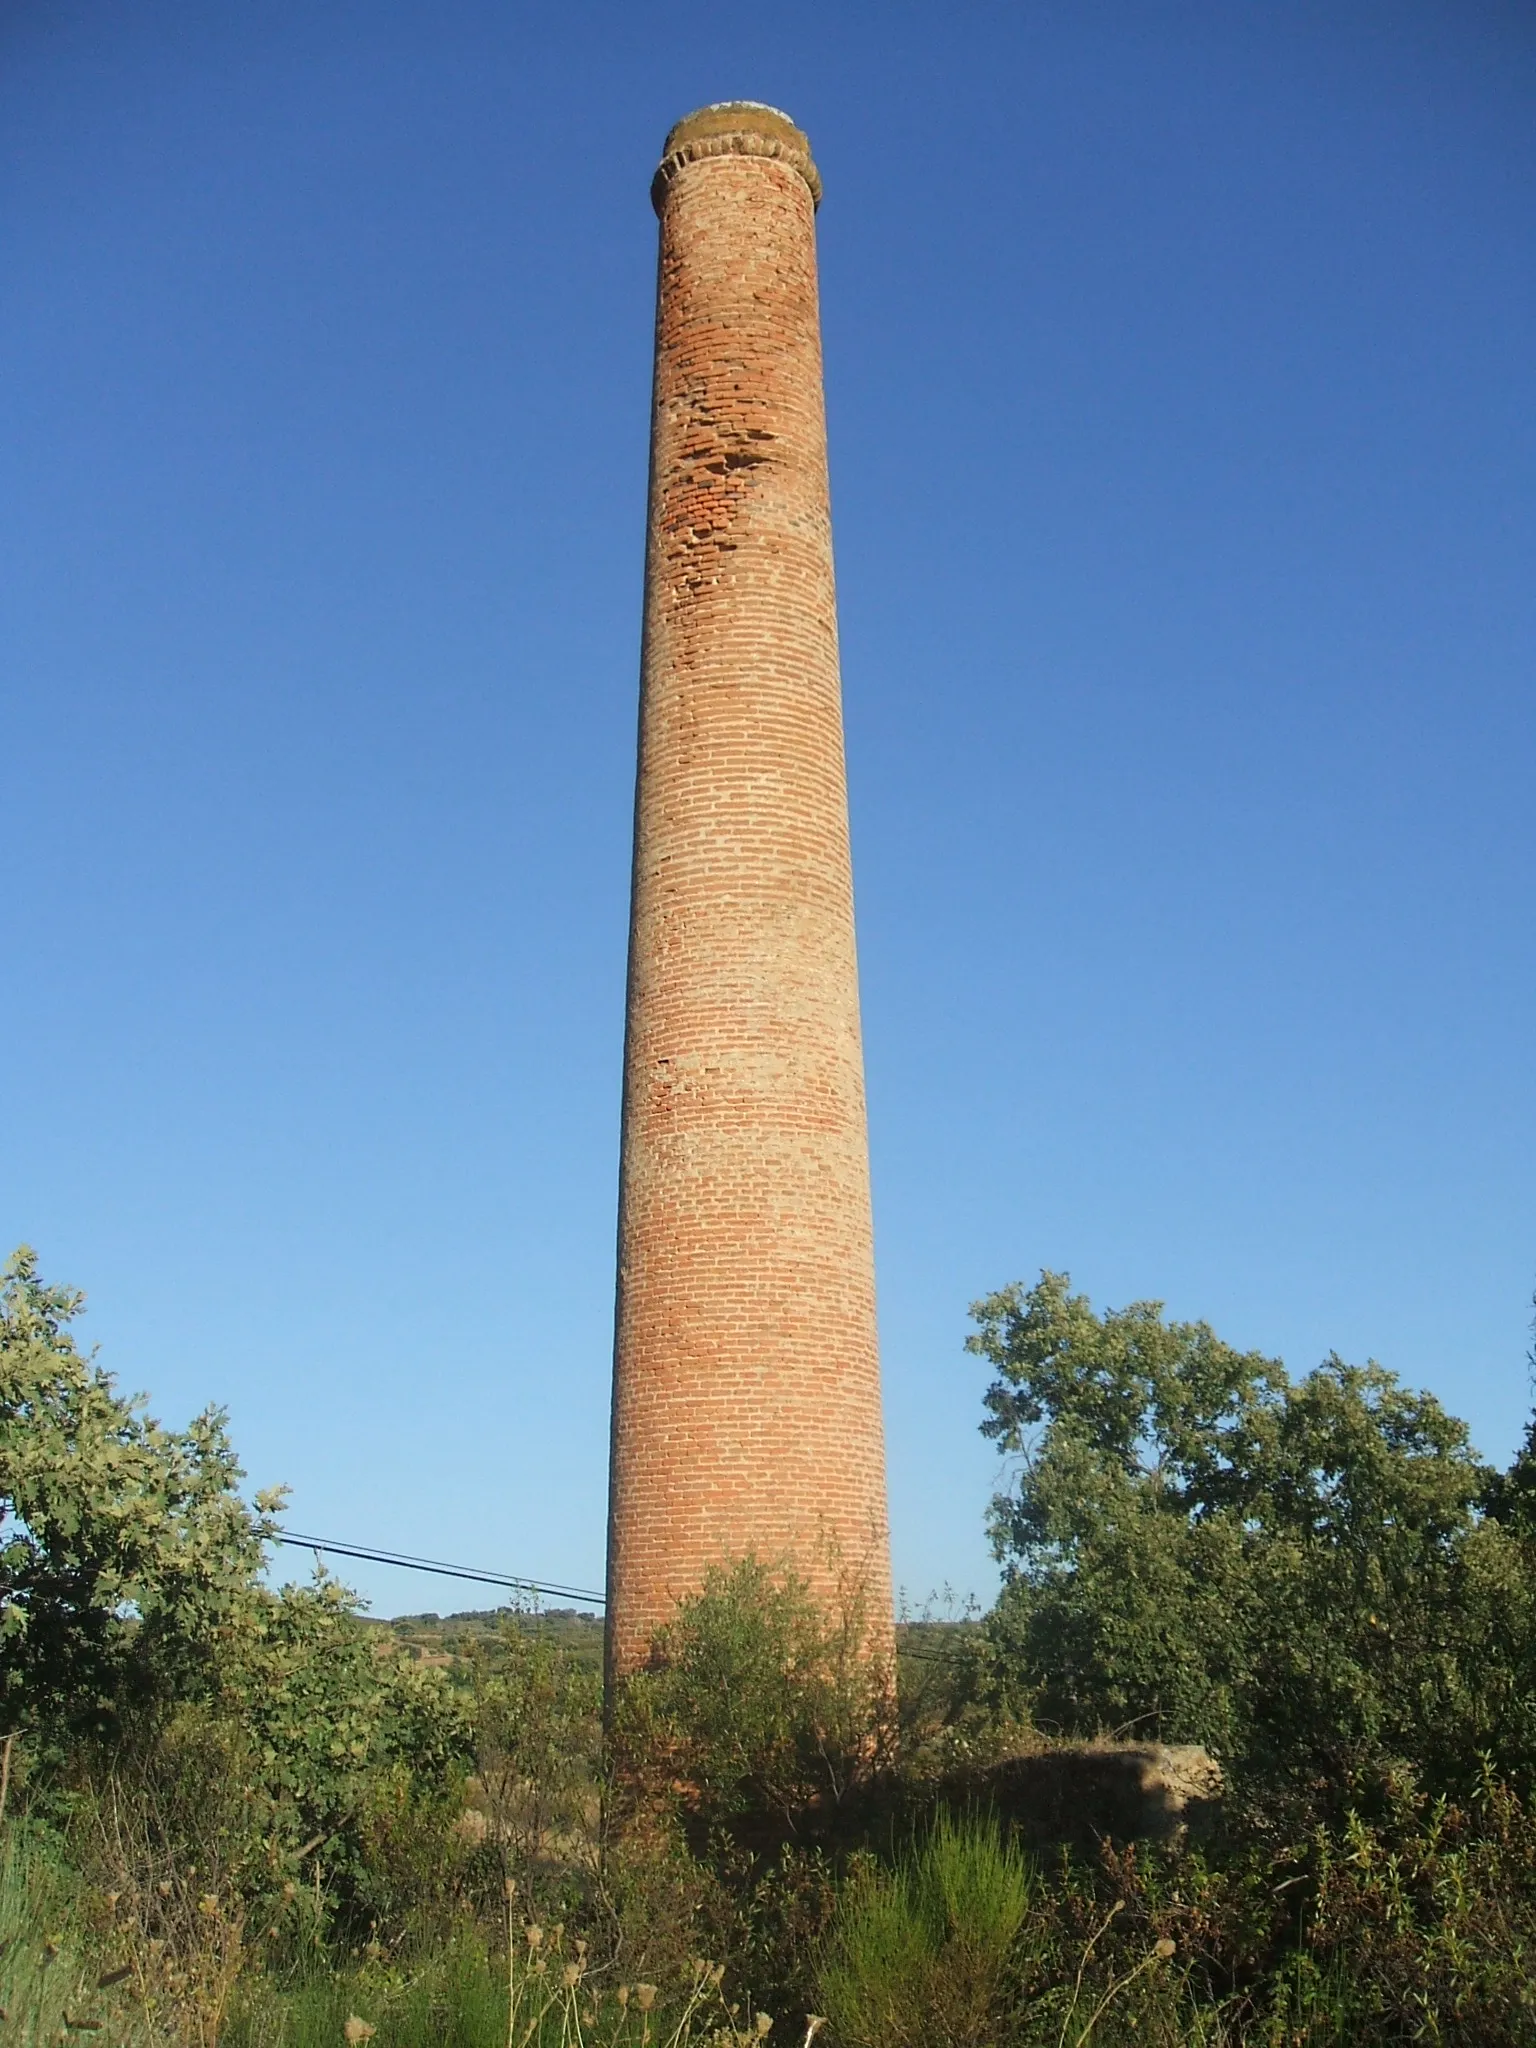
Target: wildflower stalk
510 1890
1159 1953
1082 1964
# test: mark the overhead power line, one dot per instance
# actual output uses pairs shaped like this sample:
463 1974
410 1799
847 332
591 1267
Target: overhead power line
435 1565
545 1592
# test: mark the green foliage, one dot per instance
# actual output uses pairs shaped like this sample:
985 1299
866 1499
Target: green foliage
1425 1920
222 1838
536 1710
919 1954
540 1992
51 1966
1417 1925
458 1997
357 1754
1294 1573
124 1547
751 1740
1510 1497
756 1702
239 1814
147 1663
75 1966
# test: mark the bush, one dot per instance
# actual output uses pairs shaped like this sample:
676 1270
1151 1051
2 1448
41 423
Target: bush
919 1954
536 1715
1415 1924
239 1814
355 1760
1424 1919
756 1705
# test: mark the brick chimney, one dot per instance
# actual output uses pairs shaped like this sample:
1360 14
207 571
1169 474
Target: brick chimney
746 1402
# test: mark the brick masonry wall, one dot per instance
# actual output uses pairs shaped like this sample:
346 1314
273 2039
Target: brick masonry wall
746 1411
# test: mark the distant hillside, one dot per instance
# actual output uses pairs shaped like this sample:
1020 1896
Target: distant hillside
445 1638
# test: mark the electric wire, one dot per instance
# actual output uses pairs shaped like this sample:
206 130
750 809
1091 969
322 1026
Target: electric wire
368 1555
404 1562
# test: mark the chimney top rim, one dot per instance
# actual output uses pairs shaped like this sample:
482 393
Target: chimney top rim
735 128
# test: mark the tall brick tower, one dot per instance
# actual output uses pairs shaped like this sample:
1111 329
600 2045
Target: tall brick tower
746 1404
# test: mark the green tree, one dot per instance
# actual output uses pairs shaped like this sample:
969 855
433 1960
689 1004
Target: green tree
125 1548
237 1726
1293 1572
1510 1497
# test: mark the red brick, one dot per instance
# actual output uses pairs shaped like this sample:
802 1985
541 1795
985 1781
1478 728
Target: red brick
746 1406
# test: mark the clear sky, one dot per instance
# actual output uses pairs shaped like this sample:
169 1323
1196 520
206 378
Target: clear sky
1182 396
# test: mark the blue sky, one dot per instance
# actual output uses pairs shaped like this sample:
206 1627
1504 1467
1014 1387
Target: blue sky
1183 416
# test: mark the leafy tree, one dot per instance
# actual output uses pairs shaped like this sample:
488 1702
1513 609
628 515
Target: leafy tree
242 1727
125 1548
1510 1497
1293 1572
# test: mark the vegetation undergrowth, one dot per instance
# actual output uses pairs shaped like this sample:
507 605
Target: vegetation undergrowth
57 1977
236 1814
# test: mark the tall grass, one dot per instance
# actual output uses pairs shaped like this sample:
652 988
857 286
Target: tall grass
540 1997
454 2000
56 1981
923 1956
70 1969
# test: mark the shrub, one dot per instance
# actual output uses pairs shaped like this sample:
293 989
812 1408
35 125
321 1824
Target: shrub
314 1795
757 1705
919 1954
355 1759
1425 1919
1415 1924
